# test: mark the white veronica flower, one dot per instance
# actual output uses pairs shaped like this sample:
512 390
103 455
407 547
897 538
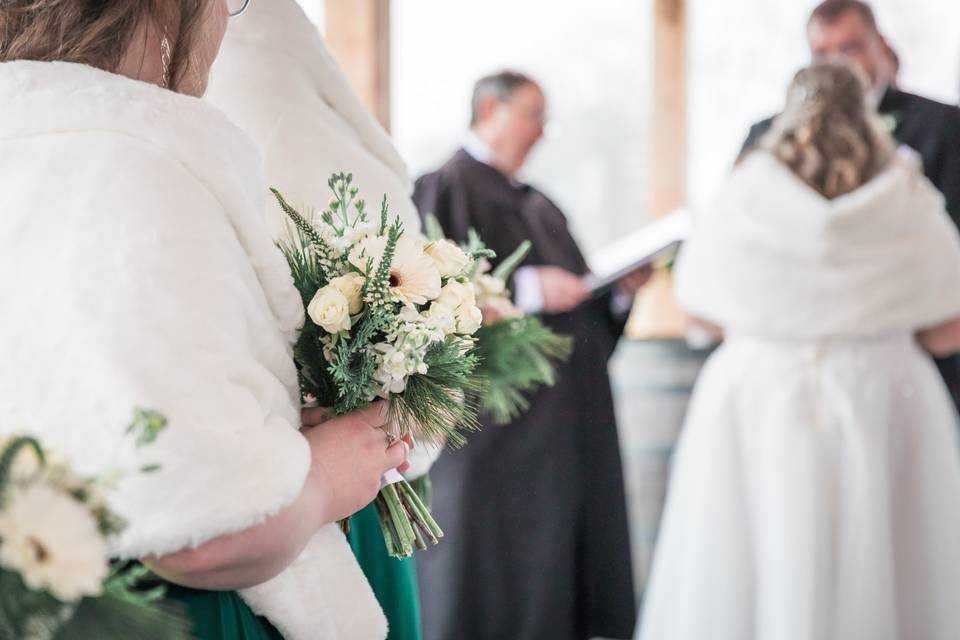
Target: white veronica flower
330 309
53 542
414 277
450 259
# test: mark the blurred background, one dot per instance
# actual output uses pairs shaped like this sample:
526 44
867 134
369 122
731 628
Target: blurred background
649 102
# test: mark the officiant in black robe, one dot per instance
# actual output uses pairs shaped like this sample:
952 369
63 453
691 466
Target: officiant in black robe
537 543
848 29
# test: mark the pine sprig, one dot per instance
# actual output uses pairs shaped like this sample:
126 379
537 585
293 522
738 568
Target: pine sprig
517 356
442 403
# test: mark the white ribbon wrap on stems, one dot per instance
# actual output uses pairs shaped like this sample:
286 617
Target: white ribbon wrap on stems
390 477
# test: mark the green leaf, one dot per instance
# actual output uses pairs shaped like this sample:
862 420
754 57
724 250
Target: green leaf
506 268
432 228
146 427
10 454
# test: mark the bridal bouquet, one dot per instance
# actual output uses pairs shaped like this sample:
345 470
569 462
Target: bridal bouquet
388 316
56 580
518 353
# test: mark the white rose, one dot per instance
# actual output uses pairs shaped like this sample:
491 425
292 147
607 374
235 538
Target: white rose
351 286
469 319
490 286
442 317
450 259
457 294
330 309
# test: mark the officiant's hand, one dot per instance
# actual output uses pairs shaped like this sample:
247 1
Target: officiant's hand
630 284
561 290
350 453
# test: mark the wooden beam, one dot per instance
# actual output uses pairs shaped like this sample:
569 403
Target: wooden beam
358 33
669 178
655 314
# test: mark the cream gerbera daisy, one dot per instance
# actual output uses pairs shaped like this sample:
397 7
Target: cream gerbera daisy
53 542
414 276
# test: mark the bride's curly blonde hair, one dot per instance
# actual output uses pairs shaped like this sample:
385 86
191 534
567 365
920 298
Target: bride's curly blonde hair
826 134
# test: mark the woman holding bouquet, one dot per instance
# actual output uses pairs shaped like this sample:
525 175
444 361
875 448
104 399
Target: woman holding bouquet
140 272
278 81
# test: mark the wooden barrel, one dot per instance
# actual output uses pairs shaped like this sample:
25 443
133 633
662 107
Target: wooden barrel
652 382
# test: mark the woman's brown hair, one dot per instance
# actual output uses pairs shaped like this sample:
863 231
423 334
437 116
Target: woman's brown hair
98 32
826 134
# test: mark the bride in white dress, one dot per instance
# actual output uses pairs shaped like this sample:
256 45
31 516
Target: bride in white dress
816 489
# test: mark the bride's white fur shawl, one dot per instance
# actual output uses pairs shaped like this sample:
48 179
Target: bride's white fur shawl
137 270
774 258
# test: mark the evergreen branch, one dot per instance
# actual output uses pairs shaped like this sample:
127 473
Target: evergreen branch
437 407
516 357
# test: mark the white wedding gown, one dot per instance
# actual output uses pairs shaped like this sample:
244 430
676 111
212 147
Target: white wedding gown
815 493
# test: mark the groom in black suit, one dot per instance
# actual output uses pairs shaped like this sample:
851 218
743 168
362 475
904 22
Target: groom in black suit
848 29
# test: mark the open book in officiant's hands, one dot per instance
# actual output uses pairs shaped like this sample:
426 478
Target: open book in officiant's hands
642 247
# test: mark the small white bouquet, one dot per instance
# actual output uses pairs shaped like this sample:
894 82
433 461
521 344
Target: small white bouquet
56 579
387 316
517 352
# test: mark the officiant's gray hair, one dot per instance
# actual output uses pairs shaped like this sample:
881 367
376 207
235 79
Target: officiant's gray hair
500 86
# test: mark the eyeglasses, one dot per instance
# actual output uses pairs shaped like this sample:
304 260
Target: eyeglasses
236 7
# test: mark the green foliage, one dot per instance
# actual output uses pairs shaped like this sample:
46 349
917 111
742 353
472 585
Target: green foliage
10 454
132 606
432 228
146 426
443 397
123 610
517 356
308 276
405 520
506 268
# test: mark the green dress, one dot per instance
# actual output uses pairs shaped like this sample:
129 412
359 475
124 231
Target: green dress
394 581
221 615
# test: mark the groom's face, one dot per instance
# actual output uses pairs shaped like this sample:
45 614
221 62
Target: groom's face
850 37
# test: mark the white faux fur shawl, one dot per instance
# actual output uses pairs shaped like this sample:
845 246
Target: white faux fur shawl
136 270
774 258
278 81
